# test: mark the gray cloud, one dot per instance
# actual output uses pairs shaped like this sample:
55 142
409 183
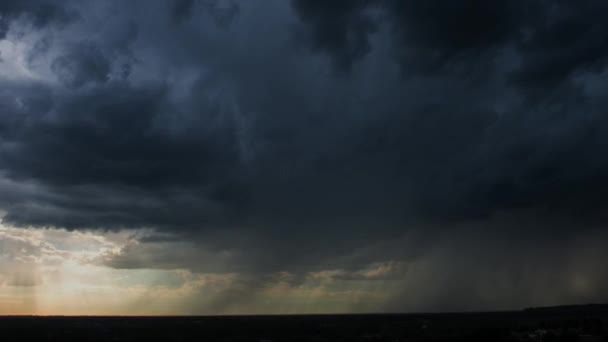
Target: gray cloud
40 13
84 64
225 126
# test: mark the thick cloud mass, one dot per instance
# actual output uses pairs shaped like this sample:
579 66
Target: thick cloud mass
40 13
296 135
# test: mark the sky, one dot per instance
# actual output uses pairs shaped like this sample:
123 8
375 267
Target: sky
179 157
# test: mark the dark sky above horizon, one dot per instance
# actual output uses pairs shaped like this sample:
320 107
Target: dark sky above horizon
273 156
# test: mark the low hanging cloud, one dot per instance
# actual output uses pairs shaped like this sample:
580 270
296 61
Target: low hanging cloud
334 137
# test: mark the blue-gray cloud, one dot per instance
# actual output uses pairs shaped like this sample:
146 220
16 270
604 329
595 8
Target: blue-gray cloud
302 131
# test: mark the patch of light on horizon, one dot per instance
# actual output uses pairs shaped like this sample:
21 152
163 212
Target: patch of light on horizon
56 271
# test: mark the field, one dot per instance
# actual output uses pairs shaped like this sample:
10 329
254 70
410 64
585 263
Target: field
581 323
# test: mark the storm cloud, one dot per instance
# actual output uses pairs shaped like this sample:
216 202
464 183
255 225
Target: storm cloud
309 136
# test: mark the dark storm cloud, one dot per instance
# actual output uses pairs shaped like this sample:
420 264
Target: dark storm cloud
225 122
427 35
40 13
437 35
341 28
568 38
513 153
123 143
553 38
84 64
221 12
181 10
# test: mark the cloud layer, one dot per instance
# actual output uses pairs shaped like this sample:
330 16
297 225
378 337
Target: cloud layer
308 136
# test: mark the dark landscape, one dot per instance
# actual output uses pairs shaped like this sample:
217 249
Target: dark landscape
565 323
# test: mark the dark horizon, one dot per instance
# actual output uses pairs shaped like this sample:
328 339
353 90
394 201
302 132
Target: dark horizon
572 309
515 326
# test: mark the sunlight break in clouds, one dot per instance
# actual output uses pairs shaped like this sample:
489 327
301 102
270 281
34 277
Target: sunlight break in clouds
54 271
60 272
